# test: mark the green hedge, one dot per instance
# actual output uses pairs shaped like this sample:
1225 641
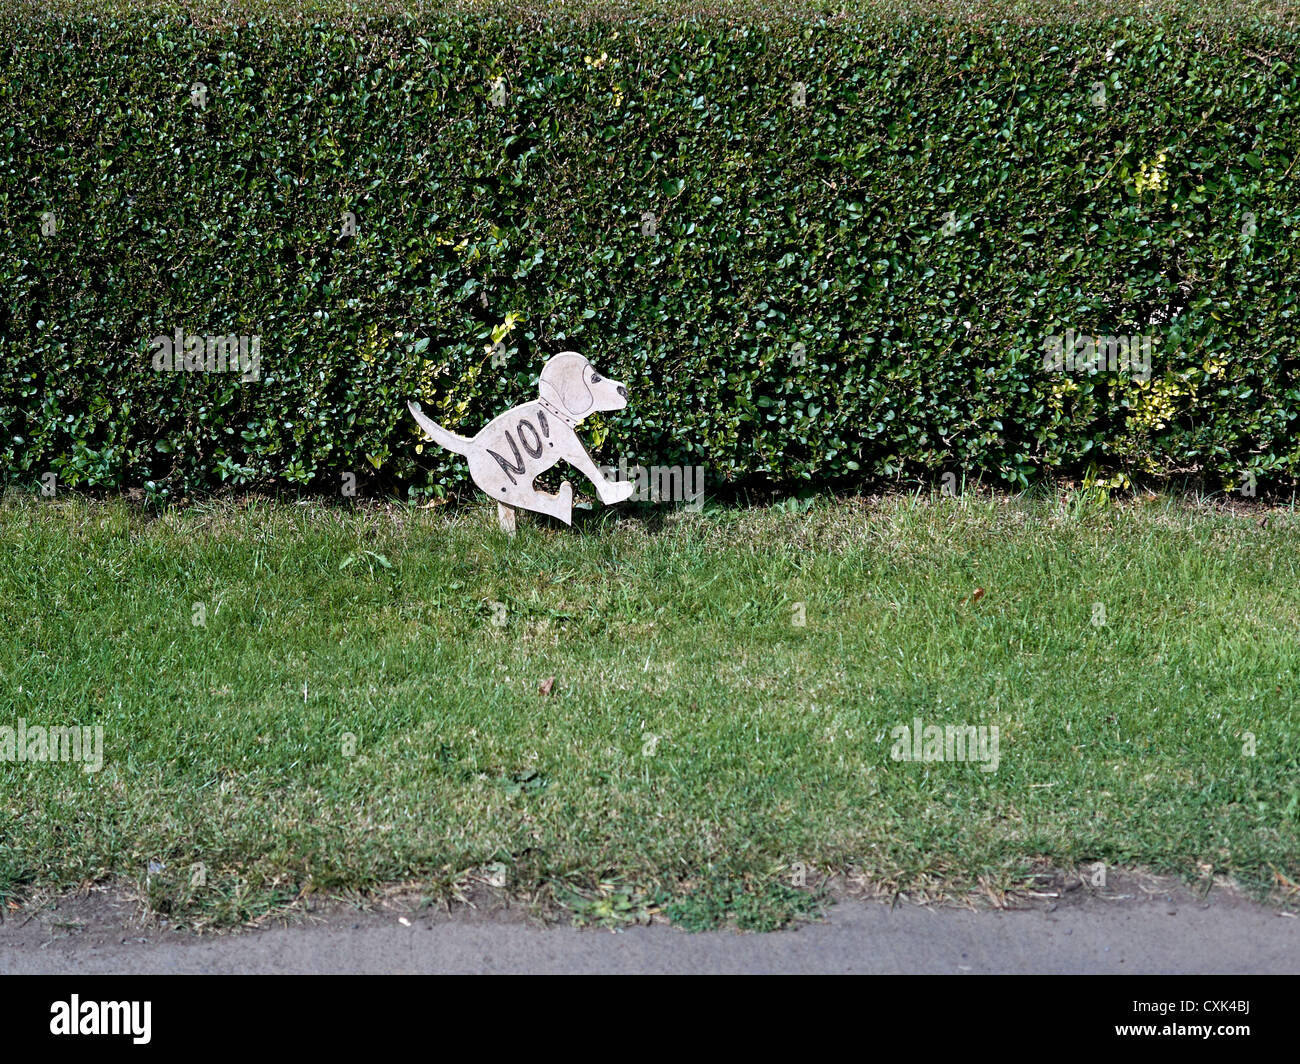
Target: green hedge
951 192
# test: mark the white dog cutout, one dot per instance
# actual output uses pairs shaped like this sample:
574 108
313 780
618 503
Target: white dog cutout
511 449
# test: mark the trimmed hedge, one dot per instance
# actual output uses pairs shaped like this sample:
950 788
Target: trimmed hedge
950 194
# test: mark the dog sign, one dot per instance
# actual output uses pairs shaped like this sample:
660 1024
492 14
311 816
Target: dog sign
514 447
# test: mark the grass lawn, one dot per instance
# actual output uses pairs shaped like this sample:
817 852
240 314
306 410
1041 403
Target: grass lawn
360 703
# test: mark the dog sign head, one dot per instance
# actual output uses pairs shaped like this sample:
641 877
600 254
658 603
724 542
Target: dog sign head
572 385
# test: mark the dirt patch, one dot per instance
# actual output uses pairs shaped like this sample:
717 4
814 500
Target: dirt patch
111 918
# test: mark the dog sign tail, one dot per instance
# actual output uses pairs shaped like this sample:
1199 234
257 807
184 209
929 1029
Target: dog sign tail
435 432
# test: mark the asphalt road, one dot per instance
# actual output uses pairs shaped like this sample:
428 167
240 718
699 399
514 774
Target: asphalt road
1142 932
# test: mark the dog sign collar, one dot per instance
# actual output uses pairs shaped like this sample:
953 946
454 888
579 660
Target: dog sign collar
551 408
514 447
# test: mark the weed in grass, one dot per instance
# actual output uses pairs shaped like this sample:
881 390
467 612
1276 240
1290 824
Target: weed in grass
722 902
611 906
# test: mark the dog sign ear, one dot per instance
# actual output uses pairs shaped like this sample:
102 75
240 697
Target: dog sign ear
571 385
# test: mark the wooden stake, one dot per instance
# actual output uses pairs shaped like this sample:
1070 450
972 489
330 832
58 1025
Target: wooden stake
506 518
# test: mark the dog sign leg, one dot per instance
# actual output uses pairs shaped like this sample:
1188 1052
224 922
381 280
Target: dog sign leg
506 518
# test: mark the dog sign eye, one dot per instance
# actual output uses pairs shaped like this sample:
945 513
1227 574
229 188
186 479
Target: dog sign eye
595 378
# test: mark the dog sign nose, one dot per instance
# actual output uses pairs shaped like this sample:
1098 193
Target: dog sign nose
622 391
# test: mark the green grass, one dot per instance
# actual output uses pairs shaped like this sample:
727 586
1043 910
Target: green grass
697 744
